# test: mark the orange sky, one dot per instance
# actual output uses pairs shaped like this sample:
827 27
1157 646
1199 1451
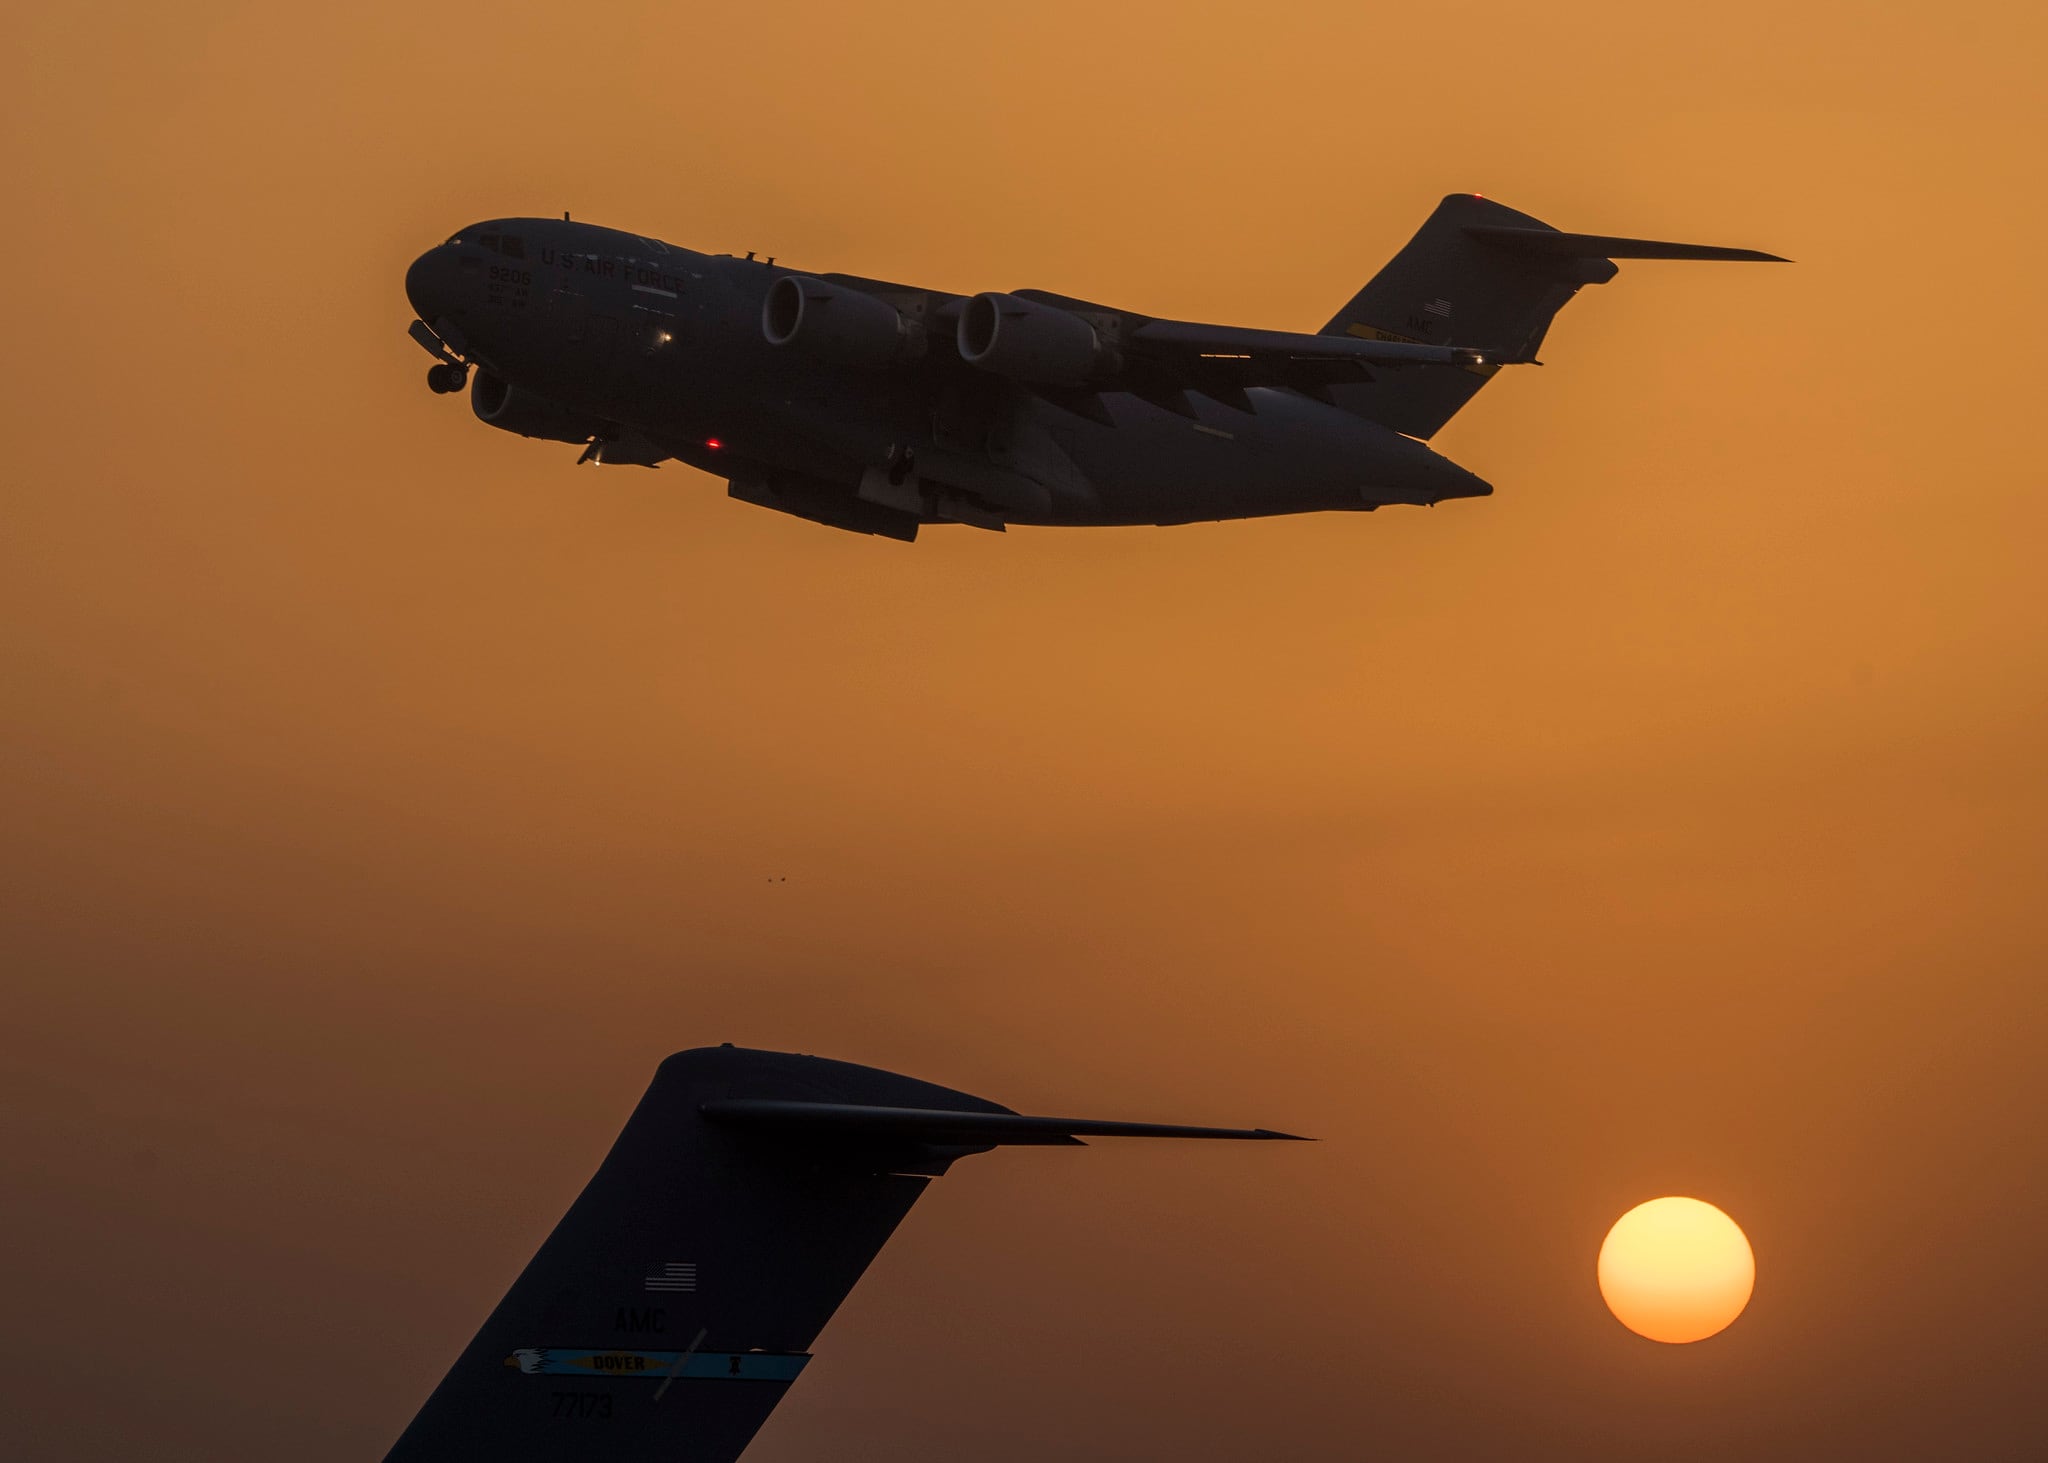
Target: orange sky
384 795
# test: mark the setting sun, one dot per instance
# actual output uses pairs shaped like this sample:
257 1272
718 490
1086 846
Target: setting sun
1676 1270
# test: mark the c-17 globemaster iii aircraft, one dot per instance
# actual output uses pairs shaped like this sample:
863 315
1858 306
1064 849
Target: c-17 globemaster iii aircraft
880 407
677 1300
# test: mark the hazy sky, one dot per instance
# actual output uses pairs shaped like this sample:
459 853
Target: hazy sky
383 796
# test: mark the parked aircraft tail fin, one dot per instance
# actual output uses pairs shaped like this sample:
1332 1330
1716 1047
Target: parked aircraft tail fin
677 1300
1479 274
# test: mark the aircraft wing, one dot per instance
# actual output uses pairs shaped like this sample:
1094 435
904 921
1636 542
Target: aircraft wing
1074 350
1167 353
1162 359
1183 342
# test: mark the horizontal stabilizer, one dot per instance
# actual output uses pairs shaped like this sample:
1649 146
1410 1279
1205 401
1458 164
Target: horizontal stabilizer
1551 244
857 1122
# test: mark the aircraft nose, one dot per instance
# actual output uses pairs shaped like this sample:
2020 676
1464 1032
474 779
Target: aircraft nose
429 283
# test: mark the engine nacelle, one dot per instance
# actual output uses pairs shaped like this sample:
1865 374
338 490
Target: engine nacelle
1029 341
503 405
834 323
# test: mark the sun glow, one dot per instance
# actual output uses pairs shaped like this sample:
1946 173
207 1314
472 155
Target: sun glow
1676 1270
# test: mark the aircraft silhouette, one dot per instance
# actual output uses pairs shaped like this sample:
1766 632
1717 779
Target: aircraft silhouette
677 1300
881 407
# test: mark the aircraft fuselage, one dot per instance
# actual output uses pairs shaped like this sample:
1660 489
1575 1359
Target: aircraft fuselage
661 351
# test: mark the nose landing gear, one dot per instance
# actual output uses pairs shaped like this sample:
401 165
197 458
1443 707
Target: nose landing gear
447 378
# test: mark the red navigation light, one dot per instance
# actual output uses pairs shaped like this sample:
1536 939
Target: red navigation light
713 443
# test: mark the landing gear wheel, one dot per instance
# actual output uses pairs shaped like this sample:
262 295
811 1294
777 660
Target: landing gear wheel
446 378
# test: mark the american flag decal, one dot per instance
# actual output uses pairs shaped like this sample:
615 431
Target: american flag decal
673 1276
1438 307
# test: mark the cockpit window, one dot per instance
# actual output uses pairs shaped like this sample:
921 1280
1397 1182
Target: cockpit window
512 246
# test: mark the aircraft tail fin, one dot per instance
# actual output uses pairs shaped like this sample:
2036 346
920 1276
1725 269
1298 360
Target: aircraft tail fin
677 1300
1479 274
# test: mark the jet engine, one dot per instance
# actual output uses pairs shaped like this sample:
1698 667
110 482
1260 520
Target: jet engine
838 324
1029 341
503 405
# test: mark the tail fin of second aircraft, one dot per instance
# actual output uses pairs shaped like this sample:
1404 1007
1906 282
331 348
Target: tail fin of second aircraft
1477 274
676 1301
